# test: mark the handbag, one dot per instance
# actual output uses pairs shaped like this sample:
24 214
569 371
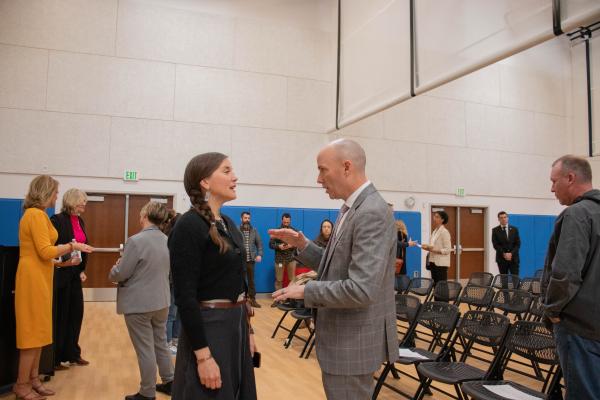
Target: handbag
398 266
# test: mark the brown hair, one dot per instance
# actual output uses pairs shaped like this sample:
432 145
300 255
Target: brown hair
71 198
198 168
155 212
172 217
41 189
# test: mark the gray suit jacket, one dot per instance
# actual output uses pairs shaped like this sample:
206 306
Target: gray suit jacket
143 273
354 292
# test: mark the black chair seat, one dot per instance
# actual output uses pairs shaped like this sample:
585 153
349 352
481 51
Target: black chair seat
476 391
410 360
450 372
304 314
287 306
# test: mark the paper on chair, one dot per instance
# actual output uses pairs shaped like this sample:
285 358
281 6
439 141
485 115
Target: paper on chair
408 353
510 392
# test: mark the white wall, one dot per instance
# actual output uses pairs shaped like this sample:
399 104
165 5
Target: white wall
580 107
89 88
495 133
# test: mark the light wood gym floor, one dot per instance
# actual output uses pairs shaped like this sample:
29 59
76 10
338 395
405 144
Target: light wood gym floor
113 371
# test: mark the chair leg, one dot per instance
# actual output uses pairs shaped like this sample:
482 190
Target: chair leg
459 393
292 333
308 343
423 389
312 345
279 324
394 372
381 379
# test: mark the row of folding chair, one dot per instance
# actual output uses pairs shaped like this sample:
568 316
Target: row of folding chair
527 339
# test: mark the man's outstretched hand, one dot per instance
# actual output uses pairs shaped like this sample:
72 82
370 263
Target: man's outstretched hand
290 237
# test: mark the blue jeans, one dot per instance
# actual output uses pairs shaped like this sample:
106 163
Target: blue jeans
579 360
173 323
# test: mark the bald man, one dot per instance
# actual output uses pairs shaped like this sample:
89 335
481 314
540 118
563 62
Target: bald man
354 292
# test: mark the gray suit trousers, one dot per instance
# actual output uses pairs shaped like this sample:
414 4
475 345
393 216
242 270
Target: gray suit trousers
348 387
148 334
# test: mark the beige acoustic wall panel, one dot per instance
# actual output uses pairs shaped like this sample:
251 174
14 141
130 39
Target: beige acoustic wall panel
454 35
23 74
86 26
274 157
374 56
161 149
167 31
89 84
37 142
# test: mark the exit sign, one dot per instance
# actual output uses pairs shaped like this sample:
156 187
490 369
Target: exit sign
131 176
460 192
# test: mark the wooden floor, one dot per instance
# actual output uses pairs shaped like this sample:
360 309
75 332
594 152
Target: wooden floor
113 371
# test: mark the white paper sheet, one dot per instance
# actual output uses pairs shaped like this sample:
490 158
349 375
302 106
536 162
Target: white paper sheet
408 353
510 392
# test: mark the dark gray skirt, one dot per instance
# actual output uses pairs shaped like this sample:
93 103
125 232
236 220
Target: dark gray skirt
227 334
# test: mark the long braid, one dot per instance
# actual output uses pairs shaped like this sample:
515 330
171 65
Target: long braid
203 209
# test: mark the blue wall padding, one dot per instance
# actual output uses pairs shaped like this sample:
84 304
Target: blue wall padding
308 220
535 231
11 211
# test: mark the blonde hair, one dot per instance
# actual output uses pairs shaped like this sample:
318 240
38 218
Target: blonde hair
71 199
41 189
156 213
401 226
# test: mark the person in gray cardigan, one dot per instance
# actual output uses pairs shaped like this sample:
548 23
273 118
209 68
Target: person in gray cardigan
143 296
254 251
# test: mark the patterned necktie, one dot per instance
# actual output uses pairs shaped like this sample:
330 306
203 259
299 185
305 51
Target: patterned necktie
343 211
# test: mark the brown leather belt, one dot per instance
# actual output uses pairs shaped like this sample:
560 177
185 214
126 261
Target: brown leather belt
221 304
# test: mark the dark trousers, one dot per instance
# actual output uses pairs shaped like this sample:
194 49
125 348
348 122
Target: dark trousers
439 274
508 268
250 277
68 314
579 358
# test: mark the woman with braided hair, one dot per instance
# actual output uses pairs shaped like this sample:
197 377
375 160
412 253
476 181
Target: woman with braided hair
216 345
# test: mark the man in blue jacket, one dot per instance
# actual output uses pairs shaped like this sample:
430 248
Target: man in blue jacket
571 277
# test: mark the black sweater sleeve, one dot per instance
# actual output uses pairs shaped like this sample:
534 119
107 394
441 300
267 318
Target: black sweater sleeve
186 242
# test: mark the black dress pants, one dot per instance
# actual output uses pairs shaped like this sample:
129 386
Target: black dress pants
439 274
68 314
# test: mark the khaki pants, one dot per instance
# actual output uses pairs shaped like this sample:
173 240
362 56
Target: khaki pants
291 273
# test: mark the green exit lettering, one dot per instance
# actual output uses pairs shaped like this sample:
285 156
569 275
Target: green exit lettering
131 176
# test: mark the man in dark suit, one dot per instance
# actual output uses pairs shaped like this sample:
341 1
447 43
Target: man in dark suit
507 242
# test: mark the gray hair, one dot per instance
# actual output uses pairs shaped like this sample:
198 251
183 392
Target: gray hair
577 165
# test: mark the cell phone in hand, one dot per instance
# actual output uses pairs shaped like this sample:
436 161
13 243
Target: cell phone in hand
256 359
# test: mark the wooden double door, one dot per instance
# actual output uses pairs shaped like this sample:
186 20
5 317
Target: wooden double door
467 231
109 220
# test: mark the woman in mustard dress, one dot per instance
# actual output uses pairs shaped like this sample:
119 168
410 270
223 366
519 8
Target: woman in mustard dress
33 286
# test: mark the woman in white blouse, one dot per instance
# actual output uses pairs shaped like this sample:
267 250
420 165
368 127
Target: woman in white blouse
439 248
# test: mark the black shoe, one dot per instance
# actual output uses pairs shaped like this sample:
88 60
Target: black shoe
274 304
253 303
138 396
165 387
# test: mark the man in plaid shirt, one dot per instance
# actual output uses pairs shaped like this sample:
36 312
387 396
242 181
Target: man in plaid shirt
284 255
